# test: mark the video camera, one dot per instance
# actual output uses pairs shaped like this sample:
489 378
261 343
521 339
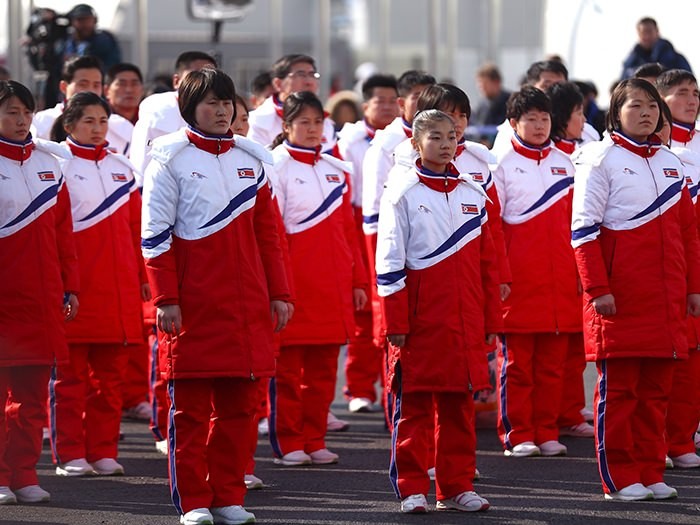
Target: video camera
47 34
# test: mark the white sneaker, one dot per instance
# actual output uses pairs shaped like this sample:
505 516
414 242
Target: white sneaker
662 491
162 447
523 450
140 412
108 467
477 474
431 473
669 463
333 424
7 497
635 492
252 482
263 427
697 439
553 448
360 404
200 516
323 456
689 460
587 414
32 494
76 467
232 515
582 430
293 459
414 504
468 501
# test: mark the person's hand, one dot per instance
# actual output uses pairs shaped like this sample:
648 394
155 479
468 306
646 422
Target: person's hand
397 339
694 304
504 291
490 339
359 298
146 292
70 307
290 309
169 319
279 310
605 304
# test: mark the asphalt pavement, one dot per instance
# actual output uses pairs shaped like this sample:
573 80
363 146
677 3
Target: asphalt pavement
357 490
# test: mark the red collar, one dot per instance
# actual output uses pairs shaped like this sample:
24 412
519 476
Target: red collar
279 106
565 145
407 128
442 182
214 144
19 151
529 151
370 130
644 149
308 156
683 133
461 147
87 151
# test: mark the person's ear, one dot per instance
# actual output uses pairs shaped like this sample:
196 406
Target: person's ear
513 122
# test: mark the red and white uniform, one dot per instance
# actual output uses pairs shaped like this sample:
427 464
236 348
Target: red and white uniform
159 114
209 237
438 277
38 264
119 134
326 265
43 121
266 123
501 143
534 187
635 237
86 394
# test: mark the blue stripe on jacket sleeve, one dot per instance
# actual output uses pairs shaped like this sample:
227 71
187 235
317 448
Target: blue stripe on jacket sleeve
584 232
155 241
385 279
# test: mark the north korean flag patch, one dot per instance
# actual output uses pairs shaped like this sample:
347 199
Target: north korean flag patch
560 172
688 180
46 176
119 177
246 173
477 176
470 209
333 177
671 173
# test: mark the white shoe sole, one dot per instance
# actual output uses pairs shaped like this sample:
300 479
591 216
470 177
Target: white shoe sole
286 463
451 505
617 497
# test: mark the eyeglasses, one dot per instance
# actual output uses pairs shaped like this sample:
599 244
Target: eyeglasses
301 74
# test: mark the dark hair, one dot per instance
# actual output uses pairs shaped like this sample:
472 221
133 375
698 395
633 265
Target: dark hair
76 63
74 111
672 78
666 113
281 68
378 81
260 82
195 87
412 78
586 88
565 98
240 100
535 71
445 97
648 20
12 88
650 69
113 71
185 60
527 99
293 105
490 71
619 97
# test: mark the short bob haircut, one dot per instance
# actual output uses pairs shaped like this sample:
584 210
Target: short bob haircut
12 88
424 120
565 98
293 105
527 99
620 96
196 86
445 97
672 78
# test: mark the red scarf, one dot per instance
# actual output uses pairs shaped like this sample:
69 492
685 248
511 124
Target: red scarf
442 182
19 151
529 151
308 156
682 133
565 145
279 106
370 130
407 128
87 151
644 149
214 144
461 148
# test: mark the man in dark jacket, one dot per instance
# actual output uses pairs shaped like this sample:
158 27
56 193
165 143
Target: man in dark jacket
652 48
85 39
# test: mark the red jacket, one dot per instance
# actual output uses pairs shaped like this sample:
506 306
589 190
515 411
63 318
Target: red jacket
38 263
534 187
325 256
635 236
106 209
438 275
209 237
